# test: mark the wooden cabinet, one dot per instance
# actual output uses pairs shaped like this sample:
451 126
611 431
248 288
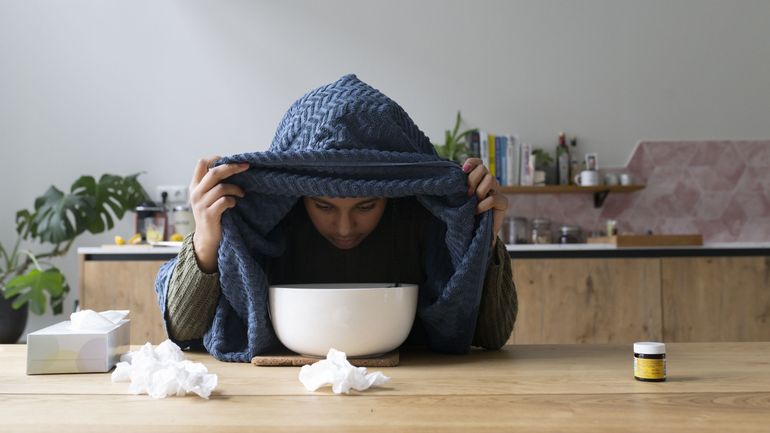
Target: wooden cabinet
124 285
587 300
561 300
716 298
613 300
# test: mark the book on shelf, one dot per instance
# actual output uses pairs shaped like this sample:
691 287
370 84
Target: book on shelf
484 148
492 167
501 142
473 145
527 165
512 156
502 157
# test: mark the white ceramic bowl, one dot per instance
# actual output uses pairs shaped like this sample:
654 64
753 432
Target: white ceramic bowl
358 319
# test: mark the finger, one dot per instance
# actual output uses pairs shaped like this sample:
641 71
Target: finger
475 177
496 202
219 173
491 203
221 205
486 186
470 164
219 191
200 170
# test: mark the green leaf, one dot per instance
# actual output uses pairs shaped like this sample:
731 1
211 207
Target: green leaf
59 217
457 125
113 195
24 225
90 205
34 287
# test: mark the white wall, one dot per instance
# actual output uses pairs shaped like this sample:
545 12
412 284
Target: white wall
88 87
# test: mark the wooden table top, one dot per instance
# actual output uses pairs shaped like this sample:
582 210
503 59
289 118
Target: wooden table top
711 387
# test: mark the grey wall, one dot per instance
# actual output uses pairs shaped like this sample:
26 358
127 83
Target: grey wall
152 85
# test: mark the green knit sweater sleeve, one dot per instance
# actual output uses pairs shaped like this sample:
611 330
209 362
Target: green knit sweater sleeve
192 296
499 303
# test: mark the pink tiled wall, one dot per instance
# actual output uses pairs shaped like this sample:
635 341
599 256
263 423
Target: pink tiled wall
718 188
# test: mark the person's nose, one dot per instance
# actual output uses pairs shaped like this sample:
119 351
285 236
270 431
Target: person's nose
345 225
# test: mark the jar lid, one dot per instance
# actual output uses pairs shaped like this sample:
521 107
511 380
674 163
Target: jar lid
649 348
570 229
148 209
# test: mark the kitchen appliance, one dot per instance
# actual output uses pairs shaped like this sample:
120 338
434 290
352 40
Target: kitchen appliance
151 222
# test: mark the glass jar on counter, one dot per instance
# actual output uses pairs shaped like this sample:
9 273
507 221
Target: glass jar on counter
515 230
569 235
541 231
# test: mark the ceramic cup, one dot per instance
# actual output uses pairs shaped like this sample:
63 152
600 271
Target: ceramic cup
587 178
611 179
626 179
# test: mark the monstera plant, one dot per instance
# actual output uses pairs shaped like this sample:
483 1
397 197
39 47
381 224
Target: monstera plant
28 280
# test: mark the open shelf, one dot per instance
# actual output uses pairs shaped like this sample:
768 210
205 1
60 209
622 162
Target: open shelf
600 192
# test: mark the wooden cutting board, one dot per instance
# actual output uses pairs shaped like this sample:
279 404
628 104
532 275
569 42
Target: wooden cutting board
648 240
290 359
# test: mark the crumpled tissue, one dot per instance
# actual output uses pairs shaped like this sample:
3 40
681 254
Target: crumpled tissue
336 371
162 371
90 320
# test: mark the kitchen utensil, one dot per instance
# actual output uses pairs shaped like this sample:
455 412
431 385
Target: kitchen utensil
626 179
541 231
587 178
151 222
358 319
611 179
515 230
648 240
569 235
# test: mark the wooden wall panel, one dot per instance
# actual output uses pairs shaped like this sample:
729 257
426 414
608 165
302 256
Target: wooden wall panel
125 284
716 298
587 300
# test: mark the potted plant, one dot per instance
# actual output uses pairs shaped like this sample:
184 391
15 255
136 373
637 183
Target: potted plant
543 162
455 147
27 279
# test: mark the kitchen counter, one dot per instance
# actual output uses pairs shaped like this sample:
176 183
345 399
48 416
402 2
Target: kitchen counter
527 251
129 252
557 251
711 387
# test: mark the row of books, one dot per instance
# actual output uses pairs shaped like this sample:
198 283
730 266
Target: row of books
506 156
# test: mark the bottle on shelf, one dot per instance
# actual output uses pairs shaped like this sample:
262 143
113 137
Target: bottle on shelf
562 161
574 164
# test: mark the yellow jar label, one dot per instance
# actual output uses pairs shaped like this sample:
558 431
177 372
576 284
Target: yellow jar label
646 368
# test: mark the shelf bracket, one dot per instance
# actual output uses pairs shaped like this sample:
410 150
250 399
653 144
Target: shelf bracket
600 196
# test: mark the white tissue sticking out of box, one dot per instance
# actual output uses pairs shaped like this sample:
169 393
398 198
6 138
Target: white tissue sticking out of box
90 320
162 371
336 371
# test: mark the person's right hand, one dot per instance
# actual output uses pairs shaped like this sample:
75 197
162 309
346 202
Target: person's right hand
209 199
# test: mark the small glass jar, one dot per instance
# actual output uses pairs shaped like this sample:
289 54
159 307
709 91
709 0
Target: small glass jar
184 221
515 230
650 361
541 231
569 235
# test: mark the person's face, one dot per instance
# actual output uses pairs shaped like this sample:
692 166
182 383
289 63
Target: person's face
345 222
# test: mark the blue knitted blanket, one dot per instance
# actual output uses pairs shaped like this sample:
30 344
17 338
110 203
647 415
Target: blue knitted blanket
345 139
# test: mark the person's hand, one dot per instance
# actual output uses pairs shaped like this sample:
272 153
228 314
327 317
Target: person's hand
209 199
486 188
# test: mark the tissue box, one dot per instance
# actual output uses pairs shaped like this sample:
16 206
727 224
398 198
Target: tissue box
59 349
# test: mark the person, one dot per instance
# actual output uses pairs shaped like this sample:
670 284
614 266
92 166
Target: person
335 238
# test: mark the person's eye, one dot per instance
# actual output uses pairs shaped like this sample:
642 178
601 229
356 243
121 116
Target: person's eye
322 206
366 207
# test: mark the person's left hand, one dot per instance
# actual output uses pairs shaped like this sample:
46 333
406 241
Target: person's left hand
486 188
